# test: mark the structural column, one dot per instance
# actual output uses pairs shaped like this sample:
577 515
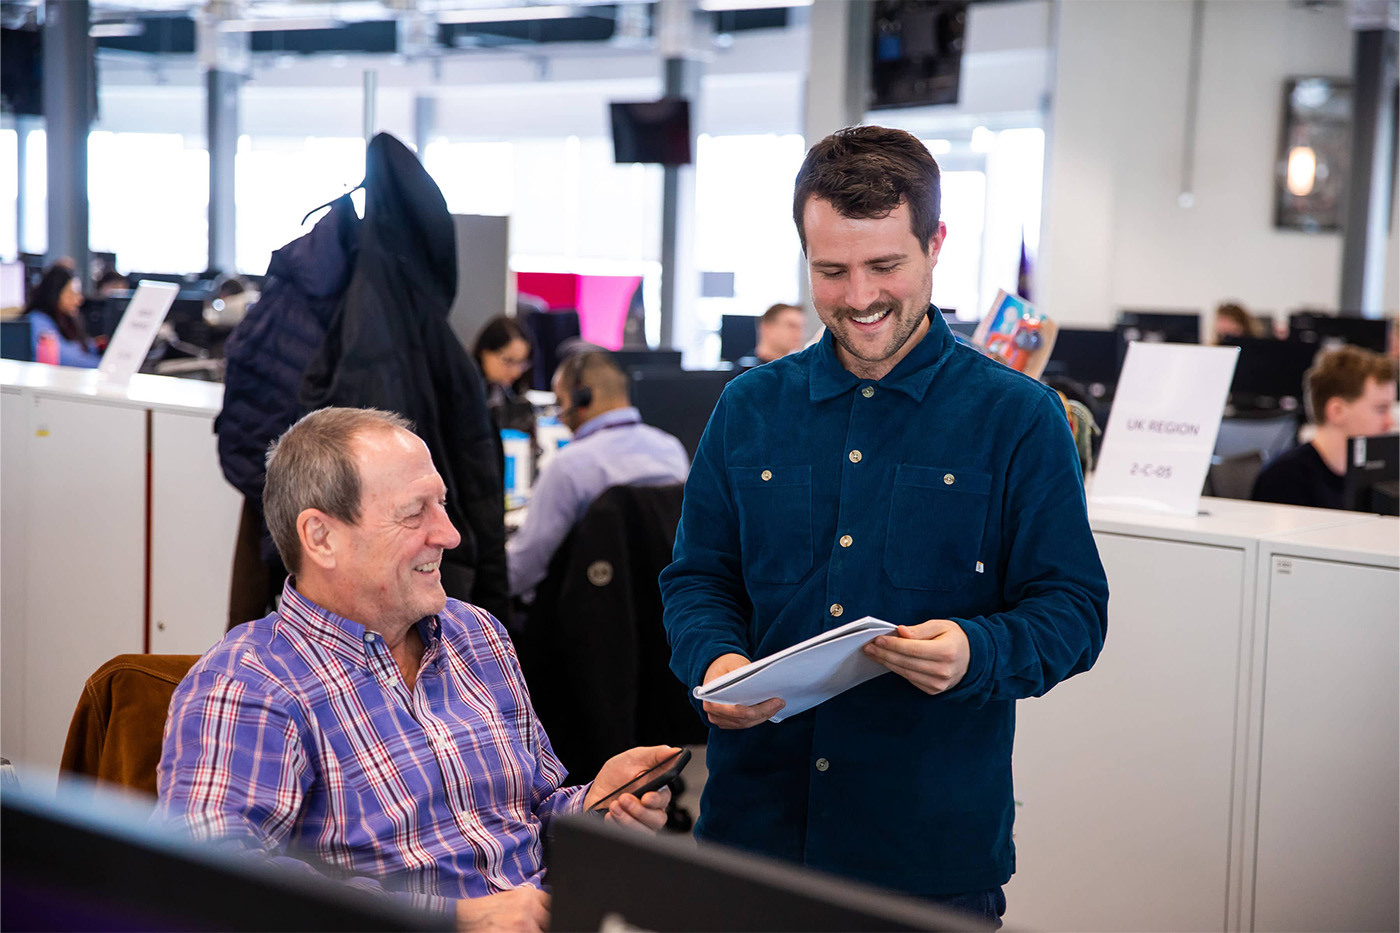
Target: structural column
1372 161
224 56
68 108
682 72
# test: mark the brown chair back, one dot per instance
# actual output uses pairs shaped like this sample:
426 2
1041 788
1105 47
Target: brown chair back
117 729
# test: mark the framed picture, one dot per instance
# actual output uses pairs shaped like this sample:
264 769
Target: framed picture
1314 156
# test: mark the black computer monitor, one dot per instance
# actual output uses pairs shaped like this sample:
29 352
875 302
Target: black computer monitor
656 131
82 861
1269 373
1161 326
678 401
605 877
627 359
1373 474
17 340
738 336
1311 327
1090 357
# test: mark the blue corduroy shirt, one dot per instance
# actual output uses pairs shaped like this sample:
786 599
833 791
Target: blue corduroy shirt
949 489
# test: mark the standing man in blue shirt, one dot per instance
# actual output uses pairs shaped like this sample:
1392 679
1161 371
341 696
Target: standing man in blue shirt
611 447
885 471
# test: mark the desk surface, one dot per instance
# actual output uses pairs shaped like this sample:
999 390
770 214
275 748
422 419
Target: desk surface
1375 541
1228 522
190 396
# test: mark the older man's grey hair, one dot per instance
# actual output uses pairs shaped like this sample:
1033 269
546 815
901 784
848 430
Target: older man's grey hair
311 466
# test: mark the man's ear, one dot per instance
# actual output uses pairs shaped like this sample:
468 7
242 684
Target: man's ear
935 243
1334 409
316 529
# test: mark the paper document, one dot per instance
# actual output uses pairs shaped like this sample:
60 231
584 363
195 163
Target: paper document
808 673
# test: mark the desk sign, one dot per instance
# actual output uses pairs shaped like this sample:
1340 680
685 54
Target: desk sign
137 331
1161 432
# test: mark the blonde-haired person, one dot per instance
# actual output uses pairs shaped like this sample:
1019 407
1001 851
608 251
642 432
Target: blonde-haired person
1349 392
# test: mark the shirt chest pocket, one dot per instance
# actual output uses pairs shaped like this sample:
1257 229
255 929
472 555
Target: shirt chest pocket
775 521
937 519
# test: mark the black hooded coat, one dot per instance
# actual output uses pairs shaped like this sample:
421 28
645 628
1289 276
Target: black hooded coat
390 346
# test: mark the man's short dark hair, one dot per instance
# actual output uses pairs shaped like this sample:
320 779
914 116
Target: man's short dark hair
776 311
865 172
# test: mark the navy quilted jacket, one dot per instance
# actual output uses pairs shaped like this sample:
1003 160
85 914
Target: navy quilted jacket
269 351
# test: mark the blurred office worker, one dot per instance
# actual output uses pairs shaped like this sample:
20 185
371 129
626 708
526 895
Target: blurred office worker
371 721
502 352
779 332
52 311
886 471
1349 392
611 447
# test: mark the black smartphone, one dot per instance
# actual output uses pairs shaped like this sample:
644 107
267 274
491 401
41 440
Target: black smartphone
653 778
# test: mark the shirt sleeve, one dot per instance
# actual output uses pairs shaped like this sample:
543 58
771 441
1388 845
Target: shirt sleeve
705 601
554 508
1052 579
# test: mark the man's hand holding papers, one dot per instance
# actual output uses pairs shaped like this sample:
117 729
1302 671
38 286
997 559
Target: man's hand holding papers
932 655
738 694
736 715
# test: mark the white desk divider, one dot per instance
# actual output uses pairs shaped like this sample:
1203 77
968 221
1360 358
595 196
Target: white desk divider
1161 432
137 331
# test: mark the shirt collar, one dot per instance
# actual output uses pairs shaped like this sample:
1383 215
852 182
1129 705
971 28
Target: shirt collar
911 375
339 634
608 419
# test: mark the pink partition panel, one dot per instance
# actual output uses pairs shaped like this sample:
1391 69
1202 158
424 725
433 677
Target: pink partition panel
602 307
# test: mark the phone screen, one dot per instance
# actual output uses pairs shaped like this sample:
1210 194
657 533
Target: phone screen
651 779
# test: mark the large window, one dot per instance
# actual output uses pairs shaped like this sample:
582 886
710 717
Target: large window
278 180
9 195
148 200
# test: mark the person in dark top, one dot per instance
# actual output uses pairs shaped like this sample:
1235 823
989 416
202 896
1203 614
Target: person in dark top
502 351
1350 392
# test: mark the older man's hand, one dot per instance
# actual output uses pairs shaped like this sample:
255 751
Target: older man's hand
648 813
519 910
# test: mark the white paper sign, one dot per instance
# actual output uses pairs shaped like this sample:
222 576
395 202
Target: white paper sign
1161 432
137 331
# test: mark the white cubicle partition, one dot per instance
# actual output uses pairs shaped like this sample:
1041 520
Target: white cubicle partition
1131 777
91 565
1324 765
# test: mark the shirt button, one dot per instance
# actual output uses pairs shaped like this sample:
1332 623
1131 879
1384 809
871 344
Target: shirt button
868 391
845 540
947 479
370 637
767 475
836 610
823 764
855 456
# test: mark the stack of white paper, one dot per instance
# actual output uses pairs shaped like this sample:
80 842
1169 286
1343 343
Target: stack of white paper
808 673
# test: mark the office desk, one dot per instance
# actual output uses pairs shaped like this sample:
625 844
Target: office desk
116 536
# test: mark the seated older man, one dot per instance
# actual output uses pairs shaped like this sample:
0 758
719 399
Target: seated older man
371 721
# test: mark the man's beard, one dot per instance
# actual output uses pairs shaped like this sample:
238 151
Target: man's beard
905 324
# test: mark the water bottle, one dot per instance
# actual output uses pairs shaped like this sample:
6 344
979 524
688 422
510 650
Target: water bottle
46 349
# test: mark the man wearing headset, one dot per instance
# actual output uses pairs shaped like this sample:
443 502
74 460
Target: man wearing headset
611 447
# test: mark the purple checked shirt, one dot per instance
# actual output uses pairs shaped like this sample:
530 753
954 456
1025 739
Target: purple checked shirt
298 730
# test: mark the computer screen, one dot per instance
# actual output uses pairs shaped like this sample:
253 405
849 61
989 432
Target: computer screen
678 401
1311 327
630 358
11 285
17 340
1373 474
1089 357
655 131
607 878
738 336
1269 371
84 861
1161 326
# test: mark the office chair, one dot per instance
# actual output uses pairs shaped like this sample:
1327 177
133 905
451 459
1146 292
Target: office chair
118 726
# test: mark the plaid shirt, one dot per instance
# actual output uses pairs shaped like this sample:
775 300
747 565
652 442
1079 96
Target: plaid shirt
299 730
